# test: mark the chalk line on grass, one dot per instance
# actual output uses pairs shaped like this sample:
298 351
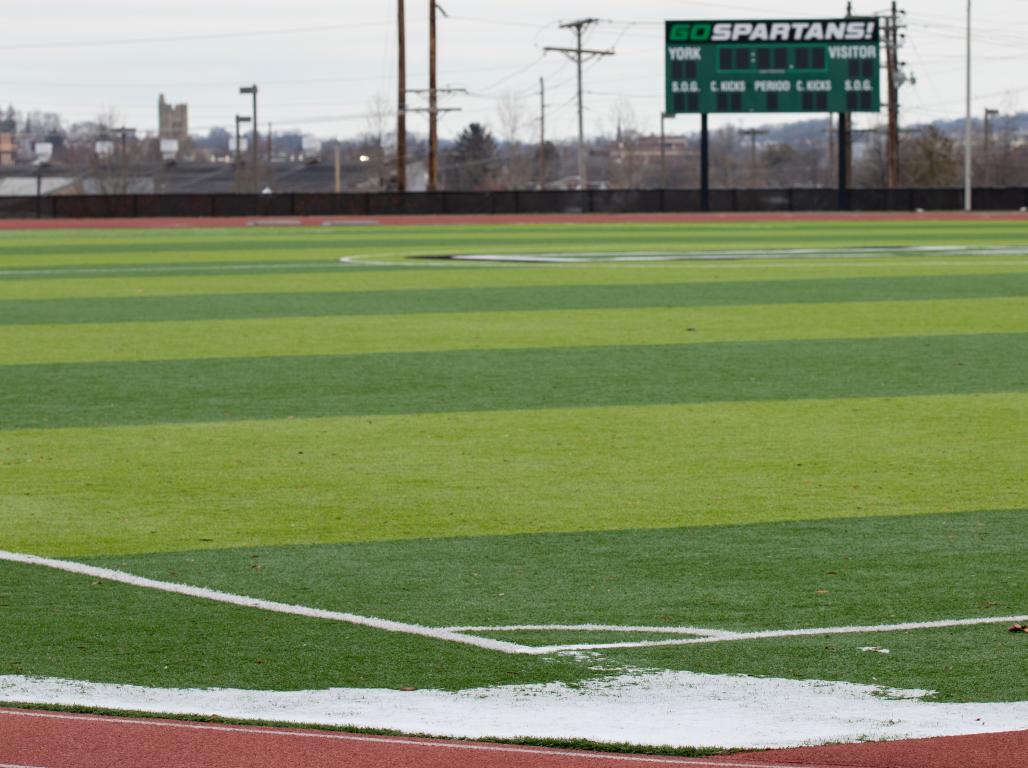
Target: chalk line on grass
464 636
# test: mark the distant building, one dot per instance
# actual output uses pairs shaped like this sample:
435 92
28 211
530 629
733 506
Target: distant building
7 148
173 120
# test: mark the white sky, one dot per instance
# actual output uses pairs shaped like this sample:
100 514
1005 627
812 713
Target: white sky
319 64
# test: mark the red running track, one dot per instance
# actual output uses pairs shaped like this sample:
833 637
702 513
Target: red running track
37 739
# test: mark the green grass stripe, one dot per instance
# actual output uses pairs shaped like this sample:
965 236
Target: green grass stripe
94 394
76 492
183 246
520 299
333 277
769 576
503 330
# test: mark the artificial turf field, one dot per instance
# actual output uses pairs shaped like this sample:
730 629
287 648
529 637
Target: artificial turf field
768 442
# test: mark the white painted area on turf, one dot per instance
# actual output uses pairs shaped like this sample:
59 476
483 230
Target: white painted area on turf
462 635
660 708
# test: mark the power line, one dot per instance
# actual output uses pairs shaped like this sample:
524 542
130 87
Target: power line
190 38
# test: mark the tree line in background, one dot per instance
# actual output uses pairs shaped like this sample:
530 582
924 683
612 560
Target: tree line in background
799 154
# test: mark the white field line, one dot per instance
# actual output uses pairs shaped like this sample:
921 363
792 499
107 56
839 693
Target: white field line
400 741
202 593
458 635
629 256
694 263
694 631
776 633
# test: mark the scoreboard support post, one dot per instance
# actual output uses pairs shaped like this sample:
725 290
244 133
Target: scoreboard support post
704 164
844 142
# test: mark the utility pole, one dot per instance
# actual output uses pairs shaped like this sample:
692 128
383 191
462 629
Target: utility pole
269 145
753 133
401 107
663 151
989 113
578 54
893 78
968 203
338 169
542 133
433 117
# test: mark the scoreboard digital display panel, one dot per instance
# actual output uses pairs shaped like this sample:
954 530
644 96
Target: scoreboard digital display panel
773 66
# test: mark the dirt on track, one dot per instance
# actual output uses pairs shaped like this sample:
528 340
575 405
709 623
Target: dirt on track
228 222
38 739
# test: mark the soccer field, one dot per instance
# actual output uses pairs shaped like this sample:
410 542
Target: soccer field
606 453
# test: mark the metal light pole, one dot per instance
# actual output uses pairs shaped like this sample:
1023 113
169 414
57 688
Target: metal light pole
252 90
967 120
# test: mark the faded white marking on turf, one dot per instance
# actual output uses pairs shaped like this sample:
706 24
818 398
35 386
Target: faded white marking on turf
459 634
652 708
243 601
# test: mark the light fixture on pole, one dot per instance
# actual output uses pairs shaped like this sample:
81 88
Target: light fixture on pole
252 90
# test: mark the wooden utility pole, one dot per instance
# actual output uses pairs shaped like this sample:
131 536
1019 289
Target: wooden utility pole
892 65
542 133
401 106
578 54
753 133
433 116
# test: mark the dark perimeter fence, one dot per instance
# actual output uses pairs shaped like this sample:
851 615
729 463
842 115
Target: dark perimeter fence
513 202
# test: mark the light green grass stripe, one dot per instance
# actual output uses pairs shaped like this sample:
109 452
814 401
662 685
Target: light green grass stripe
92 491
182 340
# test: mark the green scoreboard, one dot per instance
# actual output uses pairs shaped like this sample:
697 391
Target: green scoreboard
772 66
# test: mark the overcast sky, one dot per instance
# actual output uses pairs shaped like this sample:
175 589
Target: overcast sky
320 65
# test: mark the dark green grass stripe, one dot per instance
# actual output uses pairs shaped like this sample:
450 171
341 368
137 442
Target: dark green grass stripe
205 269
743 577
482 380
509 299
